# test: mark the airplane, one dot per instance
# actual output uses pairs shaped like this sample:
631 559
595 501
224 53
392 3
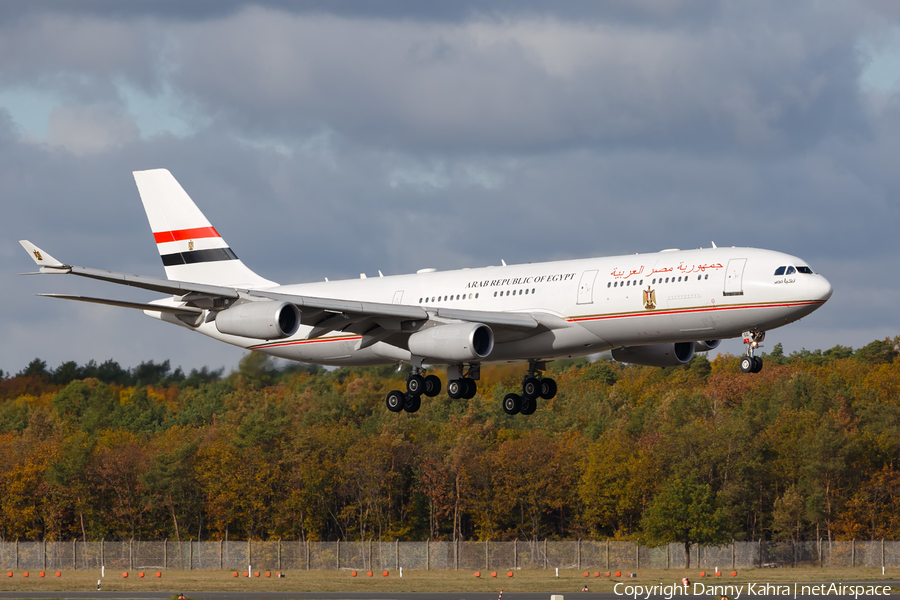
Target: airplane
654 309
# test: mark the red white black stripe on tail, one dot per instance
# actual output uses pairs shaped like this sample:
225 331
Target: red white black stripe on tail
190 247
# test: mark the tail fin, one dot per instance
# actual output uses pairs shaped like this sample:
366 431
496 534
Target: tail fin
191 248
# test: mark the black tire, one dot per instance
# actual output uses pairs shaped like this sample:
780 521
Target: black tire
548 389
432 386
529 405
415 384
747 364
471 388
395 401
757 364
413 403
531 387
456 388
512 404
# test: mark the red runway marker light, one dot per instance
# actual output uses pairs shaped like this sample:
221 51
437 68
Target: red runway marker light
268 573
385 574
509 573
256 574
158 574
618 573
586 574
369 574
41 574
353 574
58 574
734 573
597 574
141 574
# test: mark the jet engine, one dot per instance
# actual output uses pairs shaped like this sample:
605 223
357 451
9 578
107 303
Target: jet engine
656 355
456 342
706 345
267 320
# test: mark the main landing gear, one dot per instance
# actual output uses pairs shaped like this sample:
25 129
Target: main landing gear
533 387
416 385
751 363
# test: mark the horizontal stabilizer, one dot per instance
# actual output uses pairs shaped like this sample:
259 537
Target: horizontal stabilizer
175 310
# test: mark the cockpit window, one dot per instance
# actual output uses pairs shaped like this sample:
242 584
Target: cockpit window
779 271
790 271
805 270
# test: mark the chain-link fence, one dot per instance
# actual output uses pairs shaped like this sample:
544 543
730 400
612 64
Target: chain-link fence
474 556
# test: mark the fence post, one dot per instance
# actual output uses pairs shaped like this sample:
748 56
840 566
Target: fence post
397 547
165 553
667 556
190 554
882 553
131 554
428 555
74 548
249 557
339 555
17 553
279 554
486 554
853 554
221 563
516 553
637 556
456 554
607 554
759 552
307 555
545 553
578 552
819 549
44 559
732 554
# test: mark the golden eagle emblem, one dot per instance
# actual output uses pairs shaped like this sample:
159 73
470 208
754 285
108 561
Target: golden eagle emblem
191 246
649 298
37 255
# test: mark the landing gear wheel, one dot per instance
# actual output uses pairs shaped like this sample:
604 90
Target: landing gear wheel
415 384
512 404
528 405
412 403
531 387
471 388
395 401
456 388
432 386
757 365
747 364
548 389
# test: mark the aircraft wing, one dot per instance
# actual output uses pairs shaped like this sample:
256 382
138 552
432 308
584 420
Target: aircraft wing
323 314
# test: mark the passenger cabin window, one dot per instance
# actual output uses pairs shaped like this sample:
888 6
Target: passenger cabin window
779 271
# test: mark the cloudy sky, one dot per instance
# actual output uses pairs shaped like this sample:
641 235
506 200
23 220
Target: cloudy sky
334 138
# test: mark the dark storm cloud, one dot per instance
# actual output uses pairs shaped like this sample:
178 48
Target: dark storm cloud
329 139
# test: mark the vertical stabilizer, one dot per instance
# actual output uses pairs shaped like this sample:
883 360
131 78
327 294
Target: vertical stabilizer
190 247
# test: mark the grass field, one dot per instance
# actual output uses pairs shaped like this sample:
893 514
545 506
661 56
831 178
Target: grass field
419 581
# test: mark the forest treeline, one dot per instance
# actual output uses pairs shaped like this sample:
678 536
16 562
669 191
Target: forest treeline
808 448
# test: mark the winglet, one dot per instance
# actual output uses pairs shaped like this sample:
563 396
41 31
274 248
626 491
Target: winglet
40 257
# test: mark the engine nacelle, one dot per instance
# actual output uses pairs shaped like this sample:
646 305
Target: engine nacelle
656 355
456 342
706 345
267 320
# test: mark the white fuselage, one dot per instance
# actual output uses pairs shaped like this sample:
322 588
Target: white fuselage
590 305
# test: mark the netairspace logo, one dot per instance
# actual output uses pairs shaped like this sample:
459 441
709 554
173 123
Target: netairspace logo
734 592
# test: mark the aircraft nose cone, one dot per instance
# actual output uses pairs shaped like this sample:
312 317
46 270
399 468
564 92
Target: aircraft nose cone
820 288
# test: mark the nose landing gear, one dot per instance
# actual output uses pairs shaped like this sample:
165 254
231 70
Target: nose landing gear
752 363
